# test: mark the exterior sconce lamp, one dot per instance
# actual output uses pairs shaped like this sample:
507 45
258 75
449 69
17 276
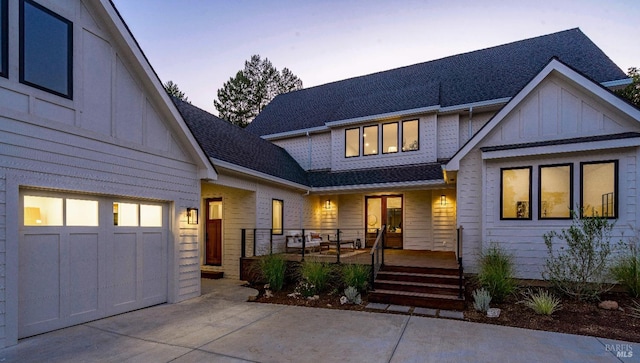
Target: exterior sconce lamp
327 204
443 199
192 215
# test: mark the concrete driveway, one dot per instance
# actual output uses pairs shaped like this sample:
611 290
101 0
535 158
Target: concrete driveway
221 326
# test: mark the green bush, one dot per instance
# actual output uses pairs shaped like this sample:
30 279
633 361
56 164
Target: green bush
481 300
272 270
496 272
579 267
542 302
357 276
626 270
635 310
317 273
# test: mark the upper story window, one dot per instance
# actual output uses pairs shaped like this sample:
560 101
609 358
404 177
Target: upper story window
390 138
4 38
352 142
515 197
410 139
46 48
370 140
599 182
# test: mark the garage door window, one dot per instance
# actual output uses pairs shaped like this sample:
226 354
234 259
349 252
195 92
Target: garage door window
125 214
82 212
42 211
150 215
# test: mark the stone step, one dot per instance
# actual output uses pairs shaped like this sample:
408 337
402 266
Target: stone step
428 288
407 298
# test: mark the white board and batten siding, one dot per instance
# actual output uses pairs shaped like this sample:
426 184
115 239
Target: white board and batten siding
116 140
554 109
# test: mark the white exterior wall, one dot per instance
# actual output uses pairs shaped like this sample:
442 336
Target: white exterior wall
312 152
110 139
427 152
478 120
555 109
238 212
448 128
427 225
469 213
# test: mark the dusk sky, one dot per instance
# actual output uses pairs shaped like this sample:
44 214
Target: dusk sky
200 44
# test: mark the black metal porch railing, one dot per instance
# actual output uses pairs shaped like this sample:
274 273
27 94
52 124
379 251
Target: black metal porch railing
263 241
459 256
377 256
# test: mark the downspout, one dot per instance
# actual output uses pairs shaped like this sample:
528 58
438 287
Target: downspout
309 142
470 124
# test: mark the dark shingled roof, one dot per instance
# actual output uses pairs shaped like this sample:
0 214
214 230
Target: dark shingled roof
224 141
487 74
407 173
576 140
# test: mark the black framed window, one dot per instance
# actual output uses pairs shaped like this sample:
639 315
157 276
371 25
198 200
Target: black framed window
46 49
515 193
277 216
390 138
4 38
599 189
555 191
410 135
370 140
352 142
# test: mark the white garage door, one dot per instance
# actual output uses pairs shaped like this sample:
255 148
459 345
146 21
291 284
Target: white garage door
83 258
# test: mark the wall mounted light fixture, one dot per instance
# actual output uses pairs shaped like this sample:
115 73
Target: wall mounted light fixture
327 204
443 199
192 215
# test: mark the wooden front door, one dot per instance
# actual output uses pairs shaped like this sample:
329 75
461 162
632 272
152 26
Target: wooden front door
213 245
385 210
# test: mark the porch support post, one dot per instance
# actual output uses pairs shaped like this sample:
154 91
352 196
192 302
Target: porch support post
243 238
254 242
271 241
304 245
338 244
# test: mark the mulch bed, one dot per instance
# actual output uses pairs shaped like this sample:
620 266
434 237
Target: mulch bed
582 318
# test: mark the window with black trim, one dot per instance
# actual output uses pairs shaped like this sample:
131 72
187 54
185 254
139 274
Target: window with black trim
352 142
410 135
515 195
4 39
599 185
46 49
390 138
370 140
555 191
277 216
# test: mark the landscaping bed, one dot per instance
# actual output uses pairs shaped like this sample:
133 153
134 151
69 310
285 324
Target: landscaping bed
582 318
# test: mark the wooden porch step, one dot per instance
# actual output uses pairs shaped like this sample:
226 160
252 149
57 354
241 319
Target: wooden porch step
407 298
423 270
426 278
211 274
428 288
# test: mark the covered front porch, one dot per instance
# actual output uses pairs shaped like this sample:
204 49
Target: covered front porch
432 279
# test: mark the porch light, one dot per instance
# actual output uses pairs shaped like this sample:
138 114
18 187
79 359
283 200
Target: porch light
443 199
192 215
327 204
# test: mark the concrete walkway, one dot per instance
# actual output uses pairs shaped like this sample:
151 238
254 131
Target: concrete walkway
221 326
